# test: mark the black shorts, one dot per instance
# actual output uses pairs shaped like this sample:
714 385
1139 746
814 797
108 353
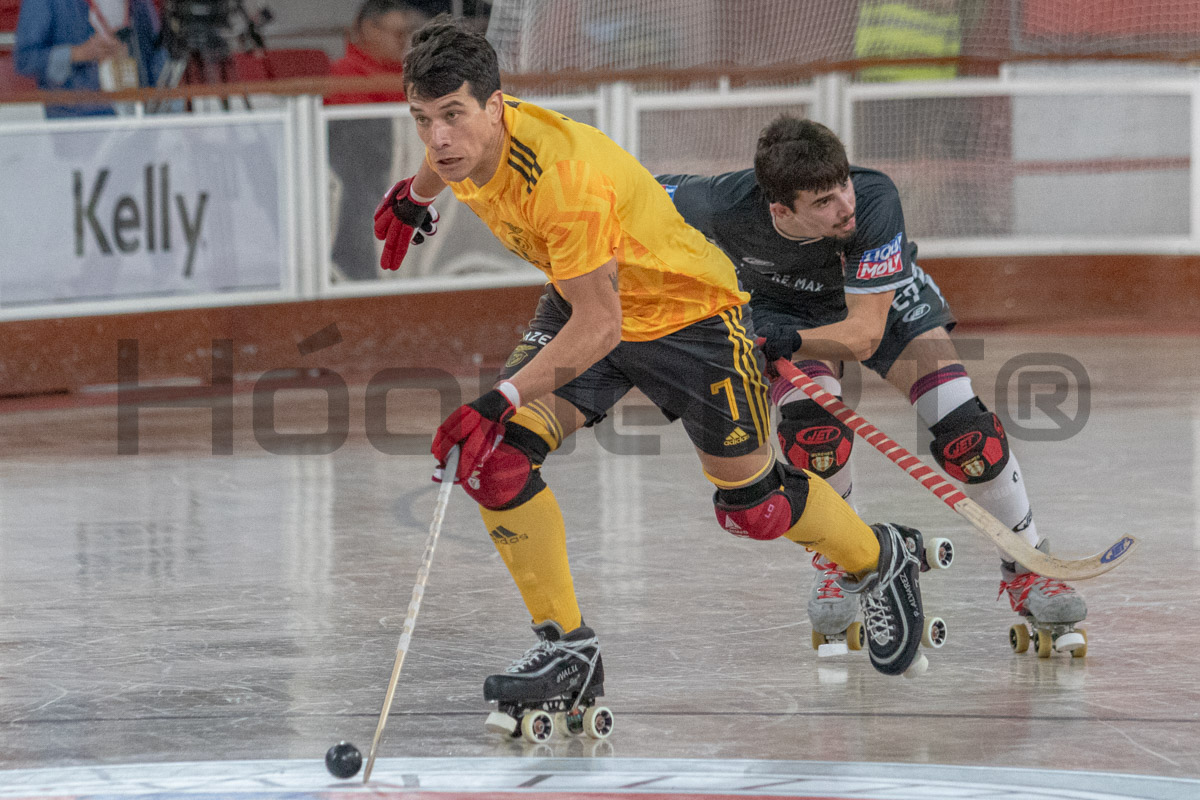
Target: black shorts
917 308
708 374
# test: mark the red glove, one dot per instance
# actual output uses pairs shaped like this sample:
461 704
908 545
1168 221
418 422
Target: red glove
400 220
477 427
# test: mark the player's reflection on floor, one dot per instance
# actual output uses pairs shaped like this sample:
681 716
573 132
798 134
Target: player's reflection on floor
559 747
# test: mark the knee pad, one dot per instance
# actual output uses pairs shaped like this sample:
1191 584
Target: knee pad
767 508
512 474
813 439
969 443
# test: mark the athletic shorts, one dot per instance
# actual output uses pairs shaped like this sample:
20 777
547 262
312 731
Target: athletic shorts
918 307
709 375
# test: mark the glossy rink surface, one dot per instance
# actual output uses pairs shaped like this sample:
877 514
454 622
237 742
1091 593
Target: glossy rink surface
176 605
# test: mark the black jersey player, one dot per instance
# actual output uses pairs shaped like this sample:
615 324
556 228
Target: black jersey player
822 248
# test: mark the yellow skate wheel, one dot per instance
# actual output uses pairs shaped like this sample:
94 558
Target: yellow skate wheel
818 639
598 722
537 726
1045 644
1018 638
856 636
1081 651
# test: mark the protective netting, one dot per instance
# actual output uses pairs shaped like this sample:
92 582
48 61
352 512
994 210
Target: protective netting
553 35
990 167
704 141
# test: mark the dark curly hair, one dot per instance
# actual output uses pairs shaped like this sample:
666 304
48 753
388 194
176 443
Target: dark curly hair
446 54
798 155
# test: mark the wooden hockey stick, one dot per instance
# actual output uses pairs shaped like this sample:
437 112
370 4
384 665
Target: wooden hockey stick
1009 542
414 605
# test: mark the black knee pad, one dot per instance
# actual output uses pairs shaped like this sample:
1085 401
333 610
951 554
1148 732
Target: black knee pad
969 443
813 439
511 475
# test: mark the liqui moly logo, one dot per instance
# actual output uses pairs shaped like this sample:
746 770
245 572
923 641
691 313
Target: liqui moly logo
882 261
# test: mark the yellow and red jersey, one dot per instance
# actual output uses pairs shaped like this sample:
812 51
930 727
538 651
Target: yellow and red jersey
567 199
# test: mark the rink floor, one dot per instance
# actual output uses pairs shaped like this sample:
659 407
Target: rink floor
179 606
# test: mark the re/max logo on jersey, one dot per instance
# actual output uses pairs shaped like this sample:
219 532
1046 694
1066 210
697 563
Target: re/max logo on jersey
882 261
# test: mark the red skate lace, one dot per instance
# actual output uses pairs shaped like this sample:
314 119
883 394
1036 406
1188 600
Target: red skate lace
829 589
1024 584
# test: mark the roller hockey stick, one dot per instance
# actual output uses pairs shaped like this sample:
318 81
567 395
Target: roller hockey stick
1009 542
414 605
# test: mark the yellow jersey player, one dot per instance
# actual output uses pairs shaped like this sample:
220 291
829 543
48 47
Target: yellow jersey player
636 298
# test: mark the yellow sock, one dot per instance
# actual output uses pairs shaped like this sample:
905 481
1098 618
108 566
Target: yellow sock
830 527
532 540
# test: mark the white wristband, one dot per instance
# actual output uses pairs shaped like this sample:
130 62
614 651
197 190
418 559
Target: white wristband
508 390
418 199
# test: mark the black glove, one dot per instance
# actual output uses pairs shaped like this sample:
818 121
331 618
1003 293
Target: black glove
778 341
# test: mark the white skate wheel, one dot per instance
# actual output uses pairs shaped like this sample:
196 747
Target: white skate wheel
598 722
499 722
917 668
832 649
939 552
934 634
1069 642
537 727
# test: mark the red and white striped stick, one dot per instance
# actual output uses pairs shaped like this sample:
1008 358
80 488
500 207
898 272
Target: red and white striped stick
998 532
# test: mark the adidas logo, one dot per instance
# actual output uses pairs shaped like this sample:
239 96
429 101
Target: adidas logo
737 437
503 535
734 528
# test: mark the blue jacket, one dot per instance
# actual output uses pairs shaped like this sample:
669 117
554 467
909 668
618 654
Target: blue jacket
48 29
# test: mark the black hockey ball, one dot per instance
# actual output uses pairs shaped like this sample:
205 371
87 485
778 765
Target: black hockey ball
343 760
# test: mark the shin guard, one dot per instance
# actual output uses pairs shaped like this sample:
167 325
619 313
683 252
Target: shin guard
532 541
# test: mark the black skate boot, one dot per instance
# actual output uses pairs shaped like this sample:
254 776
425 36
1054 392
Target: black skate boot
890 598
559 677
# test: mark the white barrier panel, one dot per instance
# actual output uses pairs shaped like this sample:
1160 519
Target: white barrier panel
178 208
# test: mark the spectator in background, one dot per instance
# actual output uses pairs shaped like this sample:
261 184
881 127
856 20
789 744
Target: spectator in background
923 142
897 29
65 43
360 150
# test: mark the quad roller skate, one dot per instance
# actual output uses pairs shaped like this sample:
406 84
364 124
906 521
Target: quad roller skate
555 684
1051 609
832 611
890 597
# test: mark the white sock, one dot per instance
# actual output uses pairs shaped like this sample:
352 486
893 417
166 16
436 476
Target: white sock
1004 496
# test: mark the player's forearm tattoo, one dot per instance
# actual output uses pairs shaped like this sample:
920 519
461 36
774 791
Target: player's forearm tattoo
614 282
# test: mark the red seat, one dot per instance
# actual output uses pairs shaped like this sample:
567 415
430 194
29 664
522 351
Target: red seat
10 80
9 10
276 64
